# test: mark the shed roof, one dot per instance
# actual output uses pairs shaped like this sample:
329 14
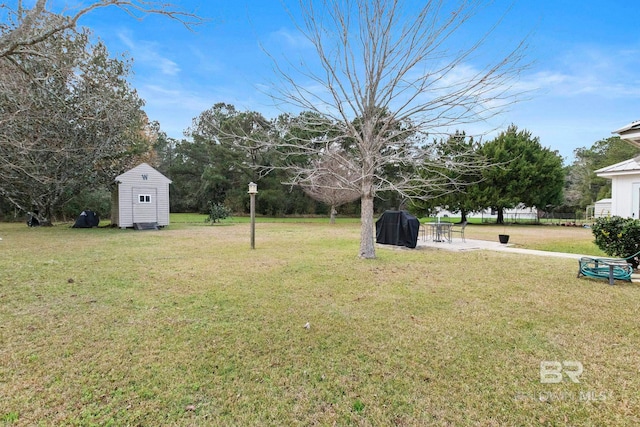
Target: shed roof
628 167
142 168
604 201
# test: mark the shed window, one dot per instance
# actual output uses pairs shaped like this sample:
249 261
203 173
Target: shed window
144 198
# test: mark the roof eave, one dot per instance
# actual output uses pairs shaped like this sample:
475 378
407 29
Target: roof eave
630 133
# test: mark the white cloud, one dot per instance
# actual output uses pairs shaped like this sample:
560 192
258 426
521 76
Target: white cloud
175 98
205 61
588 70
291 39
147 54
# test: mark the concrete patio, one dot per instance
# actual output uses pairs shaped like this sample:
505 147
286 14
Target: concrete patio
475 245
472 245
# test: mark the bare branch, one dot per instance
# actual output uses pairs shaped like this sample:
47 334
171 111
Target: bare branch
387 76
27 27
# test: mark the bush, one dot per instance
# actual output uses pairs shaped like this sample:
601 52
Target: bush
618 237
98 201
217 212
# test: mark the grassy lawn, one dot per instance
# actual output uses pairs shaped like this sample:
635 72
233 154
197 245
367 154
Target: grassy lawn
188 326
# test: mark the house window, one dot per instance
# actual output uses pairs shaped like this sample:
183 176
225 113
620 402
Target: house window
144 198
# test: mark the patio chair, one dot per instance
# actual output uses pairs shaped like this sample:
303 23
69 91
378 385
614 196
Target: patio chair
460 230
606 268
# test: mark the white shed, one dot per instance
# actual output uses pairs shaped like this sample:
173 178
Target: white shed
141 198
602 208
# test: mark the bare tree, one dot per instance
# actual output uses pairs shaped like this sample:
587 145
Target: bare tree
331 179
388 76
22 28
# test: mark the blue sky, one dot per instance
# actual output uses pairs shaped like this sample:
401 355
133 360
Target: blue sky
584 77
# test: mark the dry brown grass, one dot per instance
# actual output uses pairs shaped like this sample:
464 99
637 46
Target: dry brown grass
188 326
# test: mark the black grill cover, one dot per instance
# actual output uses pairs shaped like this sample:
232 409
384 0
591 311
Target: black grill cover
87 219
398 228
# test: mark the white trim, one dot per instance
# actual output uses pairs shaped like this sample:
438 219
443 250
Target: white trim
635 203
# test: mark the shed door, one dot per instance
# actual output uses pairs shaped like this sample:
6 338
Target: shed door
145 205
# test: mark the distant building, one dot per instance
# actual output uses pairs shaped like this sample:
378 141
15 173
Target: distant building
519 213
602 208
141 198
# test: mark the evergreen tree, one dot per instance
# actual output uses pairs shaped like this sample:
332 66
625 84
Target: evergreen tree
521 171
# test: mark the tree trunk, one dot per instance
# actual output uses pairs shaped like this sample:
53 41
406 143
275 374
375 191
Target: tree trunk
367 247
334 212
463 215
500 219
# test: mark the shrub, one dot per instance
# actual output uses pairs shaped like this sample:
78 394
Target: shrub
96 200
217 212
618 237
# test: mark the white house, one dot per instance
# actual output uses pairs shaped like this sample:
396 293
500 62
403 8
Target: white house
519 213
625 187
141 199
630 132
625 177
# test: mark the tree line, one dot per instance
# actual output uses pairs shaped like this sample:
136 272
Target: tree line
512 169
214 166
374 100
69 119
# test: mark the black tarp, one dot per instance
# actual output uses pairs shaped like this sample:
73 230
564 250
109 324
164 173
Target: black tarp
398 228
32 219
87 219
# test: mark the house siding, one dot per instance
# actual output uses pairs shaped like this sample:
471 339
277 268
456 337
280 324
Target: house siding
625 187
624 195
